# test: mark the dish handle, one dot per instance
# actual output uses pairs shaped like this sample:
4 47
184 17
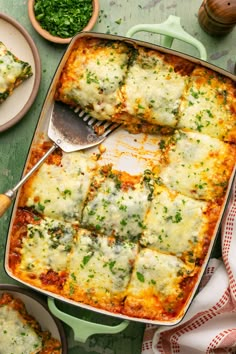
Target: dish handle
83 329
170 29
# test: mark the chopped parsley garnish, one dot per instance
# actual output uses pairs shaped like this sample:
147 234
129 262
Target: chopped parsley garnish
63 18
140 277
86 259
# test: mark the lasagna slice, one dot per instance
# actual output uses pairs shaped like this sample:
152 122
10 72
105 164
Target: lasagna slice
59 188
20 332
198 165
152 90
13 72
208 105
100 269
160 286
40 249
117 204
179 225
92 76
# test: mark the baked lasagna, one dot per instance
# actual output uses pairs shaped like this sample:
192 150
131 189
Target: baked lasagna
20 332
146 89
130 243
13 71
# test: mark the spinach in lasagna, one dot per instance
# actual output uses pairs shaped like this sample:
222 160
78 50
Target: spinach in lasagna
13 72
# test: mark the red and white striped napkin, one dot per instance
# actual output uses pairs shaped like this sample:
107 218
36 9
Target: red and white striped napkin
210 323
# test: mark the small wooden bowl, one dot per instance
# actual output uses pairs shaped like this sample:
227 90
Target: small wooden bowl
45 34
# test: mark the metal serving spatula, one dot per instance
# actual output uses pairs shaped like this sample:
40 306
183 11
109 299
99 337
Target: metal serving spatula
71 130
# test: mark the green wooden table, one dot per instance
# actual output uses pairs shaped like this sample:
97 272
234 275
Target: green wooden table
116 17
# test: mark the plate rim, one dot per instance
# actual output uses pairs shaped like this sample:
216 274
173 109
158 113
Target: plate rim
37 73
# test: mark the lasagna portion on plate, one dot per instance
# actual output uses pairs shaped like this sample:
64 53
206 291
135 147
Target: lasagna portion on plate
13 72
20 332
130 241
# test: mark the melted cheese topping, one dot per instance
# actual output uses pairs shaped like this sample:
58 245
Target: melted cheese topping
198 166
100 268
160 273
152 90
60 191
112 209
175 224
46 246
156 286
135 85
92 77
16 335
207 106
12 72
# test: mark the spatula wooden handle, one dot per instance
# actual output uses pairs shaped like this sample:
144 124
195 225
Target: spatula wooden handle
5 203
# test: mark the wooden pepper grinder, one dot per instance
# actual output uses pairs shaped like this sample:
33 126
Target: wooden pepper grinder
217 17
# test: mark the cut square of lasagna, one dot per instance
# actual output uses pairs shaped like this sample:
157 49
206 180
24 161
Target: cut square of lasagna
152 90
42 259
100 269
179 225
117 205
159 286
208 105
198 165
59 188
13 72
92 76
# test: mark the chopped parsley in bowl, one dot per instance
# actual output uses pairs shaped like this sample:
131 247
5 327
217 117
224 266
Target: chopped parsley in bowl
59 20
